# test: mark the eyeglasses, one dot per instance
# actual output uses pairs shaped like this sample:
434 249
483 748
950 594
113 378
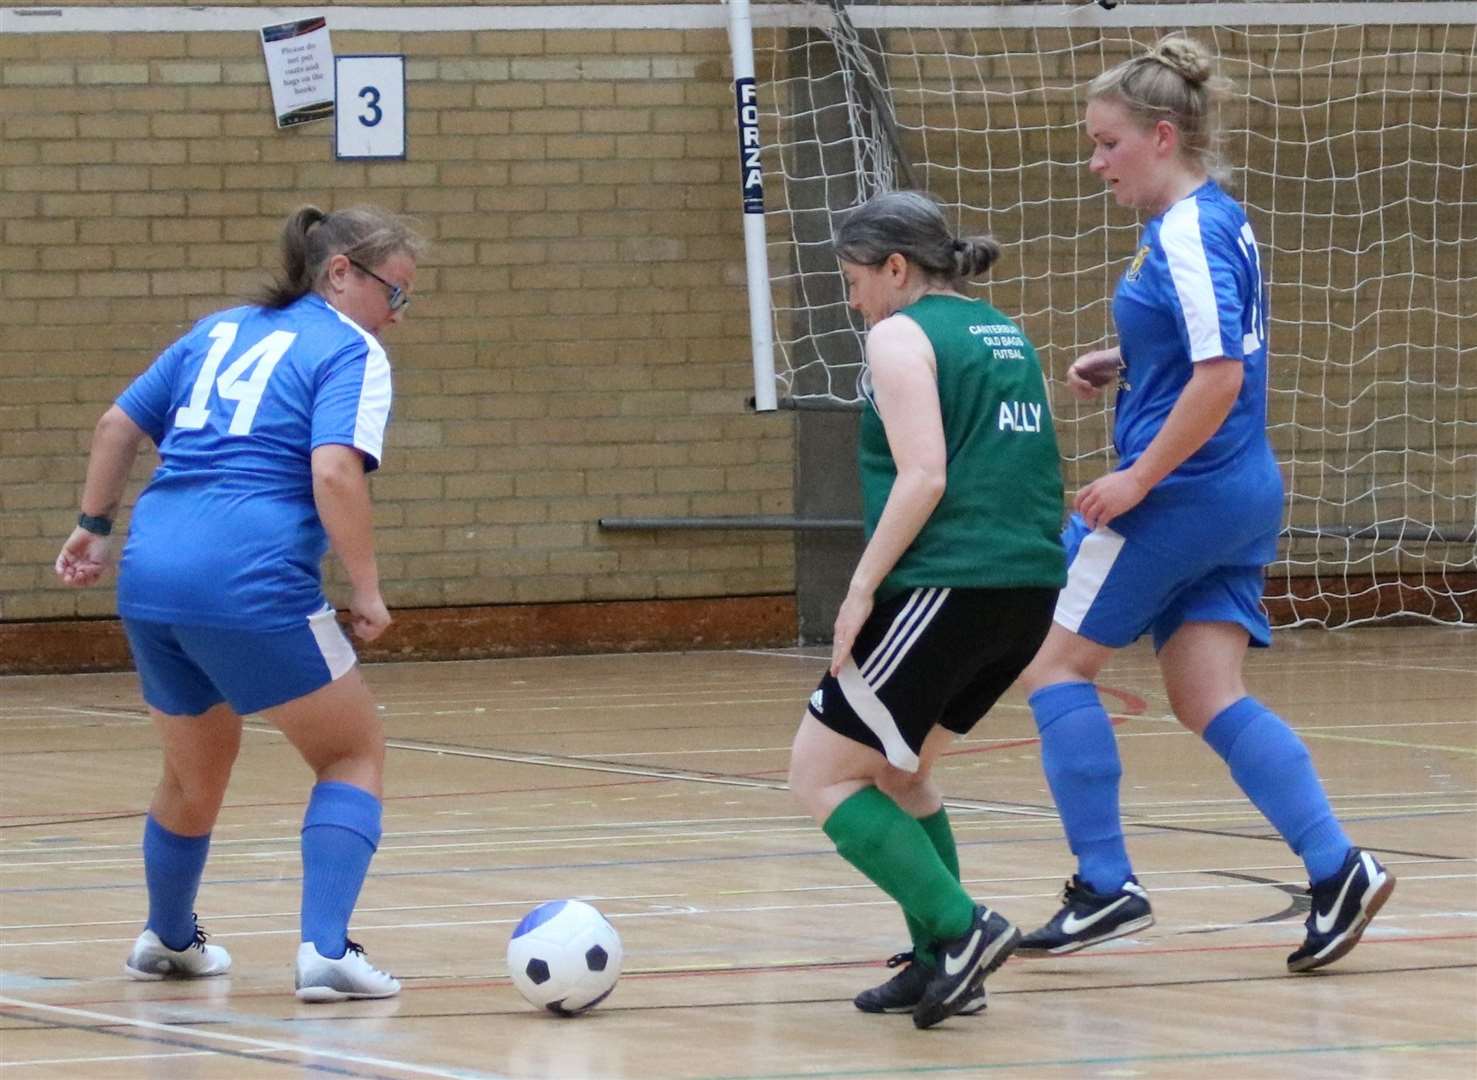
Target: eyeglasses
397 298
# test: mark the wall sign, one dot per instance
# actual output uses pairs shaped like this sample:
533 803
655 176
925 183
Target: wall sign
299 56
370 117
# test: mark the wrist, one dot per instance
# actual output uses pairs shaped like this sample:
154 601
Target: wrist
96 524
1139 476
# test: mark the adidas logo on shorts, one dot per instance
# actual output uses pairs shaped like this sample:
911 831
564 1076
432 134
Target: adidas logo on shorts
816 700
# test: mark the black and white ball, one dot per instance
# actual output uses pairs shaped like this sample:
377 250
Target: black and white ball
565 957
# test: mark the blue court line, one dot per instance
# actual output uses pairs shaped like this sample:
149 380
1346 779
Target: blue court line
1153 831
1125 1059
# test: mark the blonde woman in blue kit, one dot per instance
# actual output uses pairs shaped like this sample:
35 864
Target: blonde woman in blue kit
1174 542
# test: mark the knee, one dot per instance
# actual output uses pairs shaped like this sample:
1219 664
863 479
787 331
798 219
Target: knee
900 786
351 760
197 793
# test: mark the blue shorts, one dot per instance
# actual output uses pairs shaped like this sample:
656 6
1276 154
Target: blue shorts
1119 589
185 670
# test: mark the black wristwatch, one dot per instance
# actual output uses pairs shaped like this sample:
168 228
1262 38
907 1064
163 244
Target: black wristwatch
93 523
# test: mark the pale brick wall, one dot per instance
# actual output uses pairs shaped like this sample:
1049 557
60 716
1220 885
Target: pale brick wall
579 342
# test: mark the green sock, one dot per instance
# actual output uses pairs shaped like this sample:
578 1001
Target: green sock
896 853
936 825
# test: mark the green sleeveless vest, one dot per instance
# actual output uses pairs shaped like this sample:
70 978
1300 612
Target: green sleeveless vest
999 522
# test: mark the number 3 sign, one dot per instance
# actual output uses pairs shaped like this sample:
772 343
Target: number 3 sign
369 114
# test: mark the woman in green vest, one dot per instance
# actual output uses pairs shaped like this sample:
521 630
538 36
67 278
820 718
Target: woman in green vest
962 501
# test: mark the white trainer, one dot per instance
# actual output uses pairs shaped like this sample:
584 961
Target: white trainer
345 979
151 959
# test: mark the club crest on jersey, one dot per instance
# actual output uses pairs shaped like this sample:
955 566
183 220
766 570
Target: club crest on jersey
1137 266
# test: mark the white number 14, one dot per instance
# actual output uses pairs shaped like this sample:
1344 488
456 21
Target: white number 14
247 393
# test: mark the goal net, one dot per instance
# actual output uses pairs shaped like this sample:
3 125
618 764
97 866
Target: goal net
1352 137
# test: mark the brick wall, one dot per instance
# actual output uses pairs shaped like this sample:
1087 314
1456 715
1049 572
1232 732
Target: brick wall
579 342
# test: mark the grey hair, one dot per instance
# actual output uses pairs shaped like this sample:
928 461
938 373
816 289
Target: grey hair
311 237
1176 81
911 224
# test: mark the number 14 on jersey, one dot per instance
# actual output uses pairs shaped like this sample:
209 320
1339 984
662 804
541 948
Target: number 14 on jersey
233 384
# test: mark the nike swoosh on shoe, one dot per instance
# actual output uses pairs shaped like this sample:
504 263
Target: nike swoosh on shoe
953 965
1073 925
1324 923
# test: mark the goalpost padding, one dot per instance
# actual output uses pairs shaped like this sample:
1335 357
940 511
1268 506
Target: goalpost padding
1351 134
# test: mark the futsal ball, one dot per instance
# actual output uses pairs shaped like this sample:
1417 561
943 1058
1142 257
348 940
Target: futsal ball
564 957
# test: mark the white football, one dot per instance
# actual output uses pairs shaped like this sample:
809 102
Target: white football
564 956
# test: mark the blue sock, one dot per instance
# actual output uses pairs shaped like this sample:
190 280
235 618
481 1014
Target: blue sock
1080 757
341 830
1271 764
173 865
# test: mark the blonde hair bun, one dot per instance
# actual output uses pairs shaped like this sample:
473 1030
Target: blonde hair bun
1187 57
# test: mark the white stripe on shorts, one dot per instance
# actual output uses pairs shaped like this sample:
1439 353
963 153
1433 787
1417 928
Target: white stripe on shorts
907 626
338 654
865 703
1095 557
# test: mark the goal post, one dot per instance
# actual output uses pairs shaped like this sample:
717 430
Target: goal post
751 187
1351 136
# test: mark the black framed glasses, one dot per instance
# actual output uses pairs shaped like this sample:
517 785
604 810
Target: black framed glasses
398 297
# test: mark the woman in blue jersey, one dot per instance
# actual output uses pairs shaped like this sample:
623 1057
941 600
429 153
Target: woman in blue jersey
1174 541
962 498
268 418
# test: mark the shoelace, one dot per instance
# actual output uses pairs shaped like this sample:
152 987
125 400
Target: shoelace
899 959
200 935
358 950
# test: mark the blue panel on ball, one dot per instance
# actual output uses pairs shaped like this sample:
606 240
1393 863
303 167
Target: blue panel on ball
538 916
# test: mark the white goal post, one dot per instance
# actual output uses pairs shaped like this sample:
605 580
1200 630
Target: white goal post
1352 138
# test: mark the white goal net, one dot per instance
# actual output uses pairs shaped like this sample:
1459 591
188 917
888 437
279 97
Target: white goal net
1352 136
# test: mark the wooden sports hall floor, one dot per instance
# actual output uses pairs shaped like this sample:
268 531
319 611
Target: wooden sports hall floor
652 785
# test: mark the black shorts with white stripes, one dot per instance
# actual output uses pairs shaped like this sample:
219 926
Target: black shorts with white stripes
932 656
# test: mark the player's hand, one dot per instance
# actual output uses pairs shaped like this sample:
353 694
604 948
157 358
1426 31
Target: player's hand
1109 496
83 558
1092 371
368 615
849 621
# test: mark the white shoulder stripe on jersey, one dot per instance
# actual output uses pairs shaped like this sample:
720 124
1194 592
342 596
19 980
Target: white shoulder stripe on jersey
1184 249
374 395
1095 557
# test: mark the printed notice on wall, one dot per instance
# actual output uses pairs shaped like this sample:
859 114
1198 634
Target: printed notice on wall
300 69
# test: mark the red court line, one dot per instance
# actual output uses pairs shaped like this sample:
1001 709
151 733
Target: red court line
1133 706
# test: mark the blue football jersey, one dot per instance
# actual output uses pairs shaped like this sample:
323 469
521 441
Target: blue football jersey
227 533
1194 292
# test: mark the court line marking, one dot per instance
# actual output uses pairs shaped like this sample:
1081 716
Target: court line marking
15 1063
1122 1059
1241 824
260 1045
993 883
65 860
693 910
659 830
